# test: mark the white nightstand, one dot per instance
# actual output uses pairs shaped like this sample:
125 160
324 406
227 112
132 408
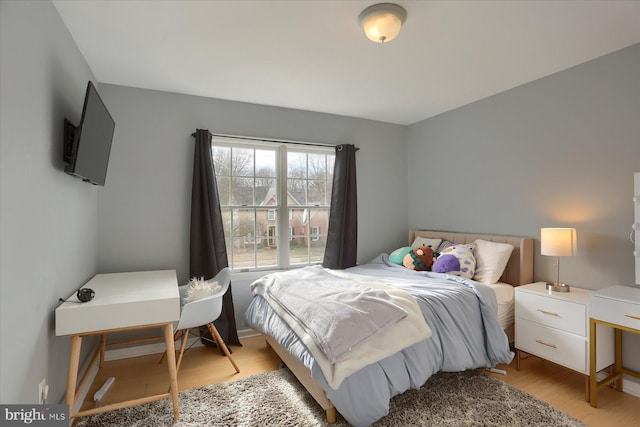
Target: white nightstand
555 326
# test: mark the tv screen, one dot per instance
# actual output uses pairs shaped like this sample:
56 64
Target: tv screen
88 145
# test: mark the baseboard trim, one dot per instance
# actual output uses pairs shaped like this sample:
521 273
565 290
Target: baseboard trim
631 386
248 333
159 347
144 349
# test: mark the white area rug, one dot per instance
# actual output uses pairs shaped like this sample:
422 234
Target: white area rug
277 399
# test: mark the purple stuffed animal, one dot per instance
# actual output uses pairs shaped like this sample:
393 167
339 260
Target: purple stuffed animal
446 263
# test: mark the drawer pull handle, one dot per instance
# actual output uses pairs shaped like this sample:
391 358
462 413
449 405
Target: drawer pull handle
550 313
632 316
546 343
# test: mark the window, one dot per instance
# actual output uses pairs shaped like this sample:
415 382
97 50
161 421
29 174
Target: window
315 234
271 238
268 187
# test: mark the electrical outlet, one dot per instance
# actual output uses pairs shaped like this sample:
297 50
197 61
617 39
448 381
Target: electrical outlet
41 387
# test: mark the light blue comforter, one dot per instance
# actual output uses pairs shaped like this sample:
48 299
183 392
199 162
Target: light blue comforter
465 335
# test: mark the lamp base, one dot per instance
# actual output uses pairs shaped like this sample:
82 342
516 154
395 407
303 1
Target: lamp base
558 287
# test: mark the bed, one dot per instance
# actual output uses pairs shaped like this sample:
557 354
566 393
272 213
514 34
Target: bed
479 337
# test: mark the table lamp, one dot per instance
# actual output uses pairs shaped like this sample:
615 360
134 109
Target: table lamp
558 242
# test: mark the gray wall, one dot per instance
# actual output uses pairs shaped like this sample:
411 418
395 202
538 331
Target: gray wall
143 211
559 151
48 220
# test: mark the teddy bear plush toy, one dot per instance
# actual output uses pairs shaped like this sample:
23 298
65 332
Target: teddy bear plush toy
419 259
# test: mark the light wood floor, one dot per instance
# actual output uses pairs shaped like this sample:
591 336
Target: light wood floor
560 387
565 390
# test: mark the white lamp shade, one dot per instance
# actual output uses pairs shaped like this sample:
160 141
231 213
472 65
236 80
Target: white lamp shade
558 241
382 22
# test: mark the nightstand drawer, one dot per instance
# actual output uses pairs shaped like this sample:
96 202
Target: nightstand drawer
621 313
551 344
553 312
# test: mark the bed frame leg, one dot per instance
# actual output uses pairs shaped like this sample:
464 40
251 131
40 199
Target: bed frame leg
332 415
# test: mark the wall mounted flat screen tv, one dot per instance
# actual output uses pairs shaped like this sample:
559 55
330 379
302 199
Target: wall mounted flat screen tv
87 146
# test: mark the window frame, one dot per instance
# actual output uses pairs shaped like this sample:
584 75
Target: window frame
282 221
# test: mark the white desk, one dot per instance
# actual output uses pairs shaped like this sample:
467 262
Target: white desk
619 308
123 301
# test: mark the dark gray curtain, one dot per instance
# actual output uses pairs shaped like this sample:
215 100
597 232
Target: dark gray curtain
208 251
342 236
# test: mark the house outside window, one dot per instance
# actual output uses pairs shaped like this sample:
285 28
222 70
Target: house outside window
267 187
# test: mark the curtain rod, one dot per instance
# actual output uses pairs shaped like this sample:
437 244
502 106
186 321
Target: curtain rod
282 141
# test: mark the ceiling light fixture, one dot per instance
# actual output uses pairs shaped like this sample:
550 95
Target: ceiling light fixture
382 22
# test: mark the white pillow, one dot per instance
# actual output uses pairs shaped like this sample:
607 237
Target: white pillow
419 241
491 260
201 289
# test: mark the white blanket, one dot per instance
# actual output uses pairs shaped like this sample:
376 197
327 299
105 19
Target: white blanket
336 360
337 313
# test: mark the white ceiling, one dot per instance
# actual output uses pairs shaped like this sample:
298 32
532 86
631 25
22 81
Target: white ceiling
312 55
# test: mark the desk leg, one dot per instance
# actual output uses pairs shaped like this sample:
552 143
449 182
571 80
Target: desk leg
593 374
103 346
72 376
618 363
171 364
